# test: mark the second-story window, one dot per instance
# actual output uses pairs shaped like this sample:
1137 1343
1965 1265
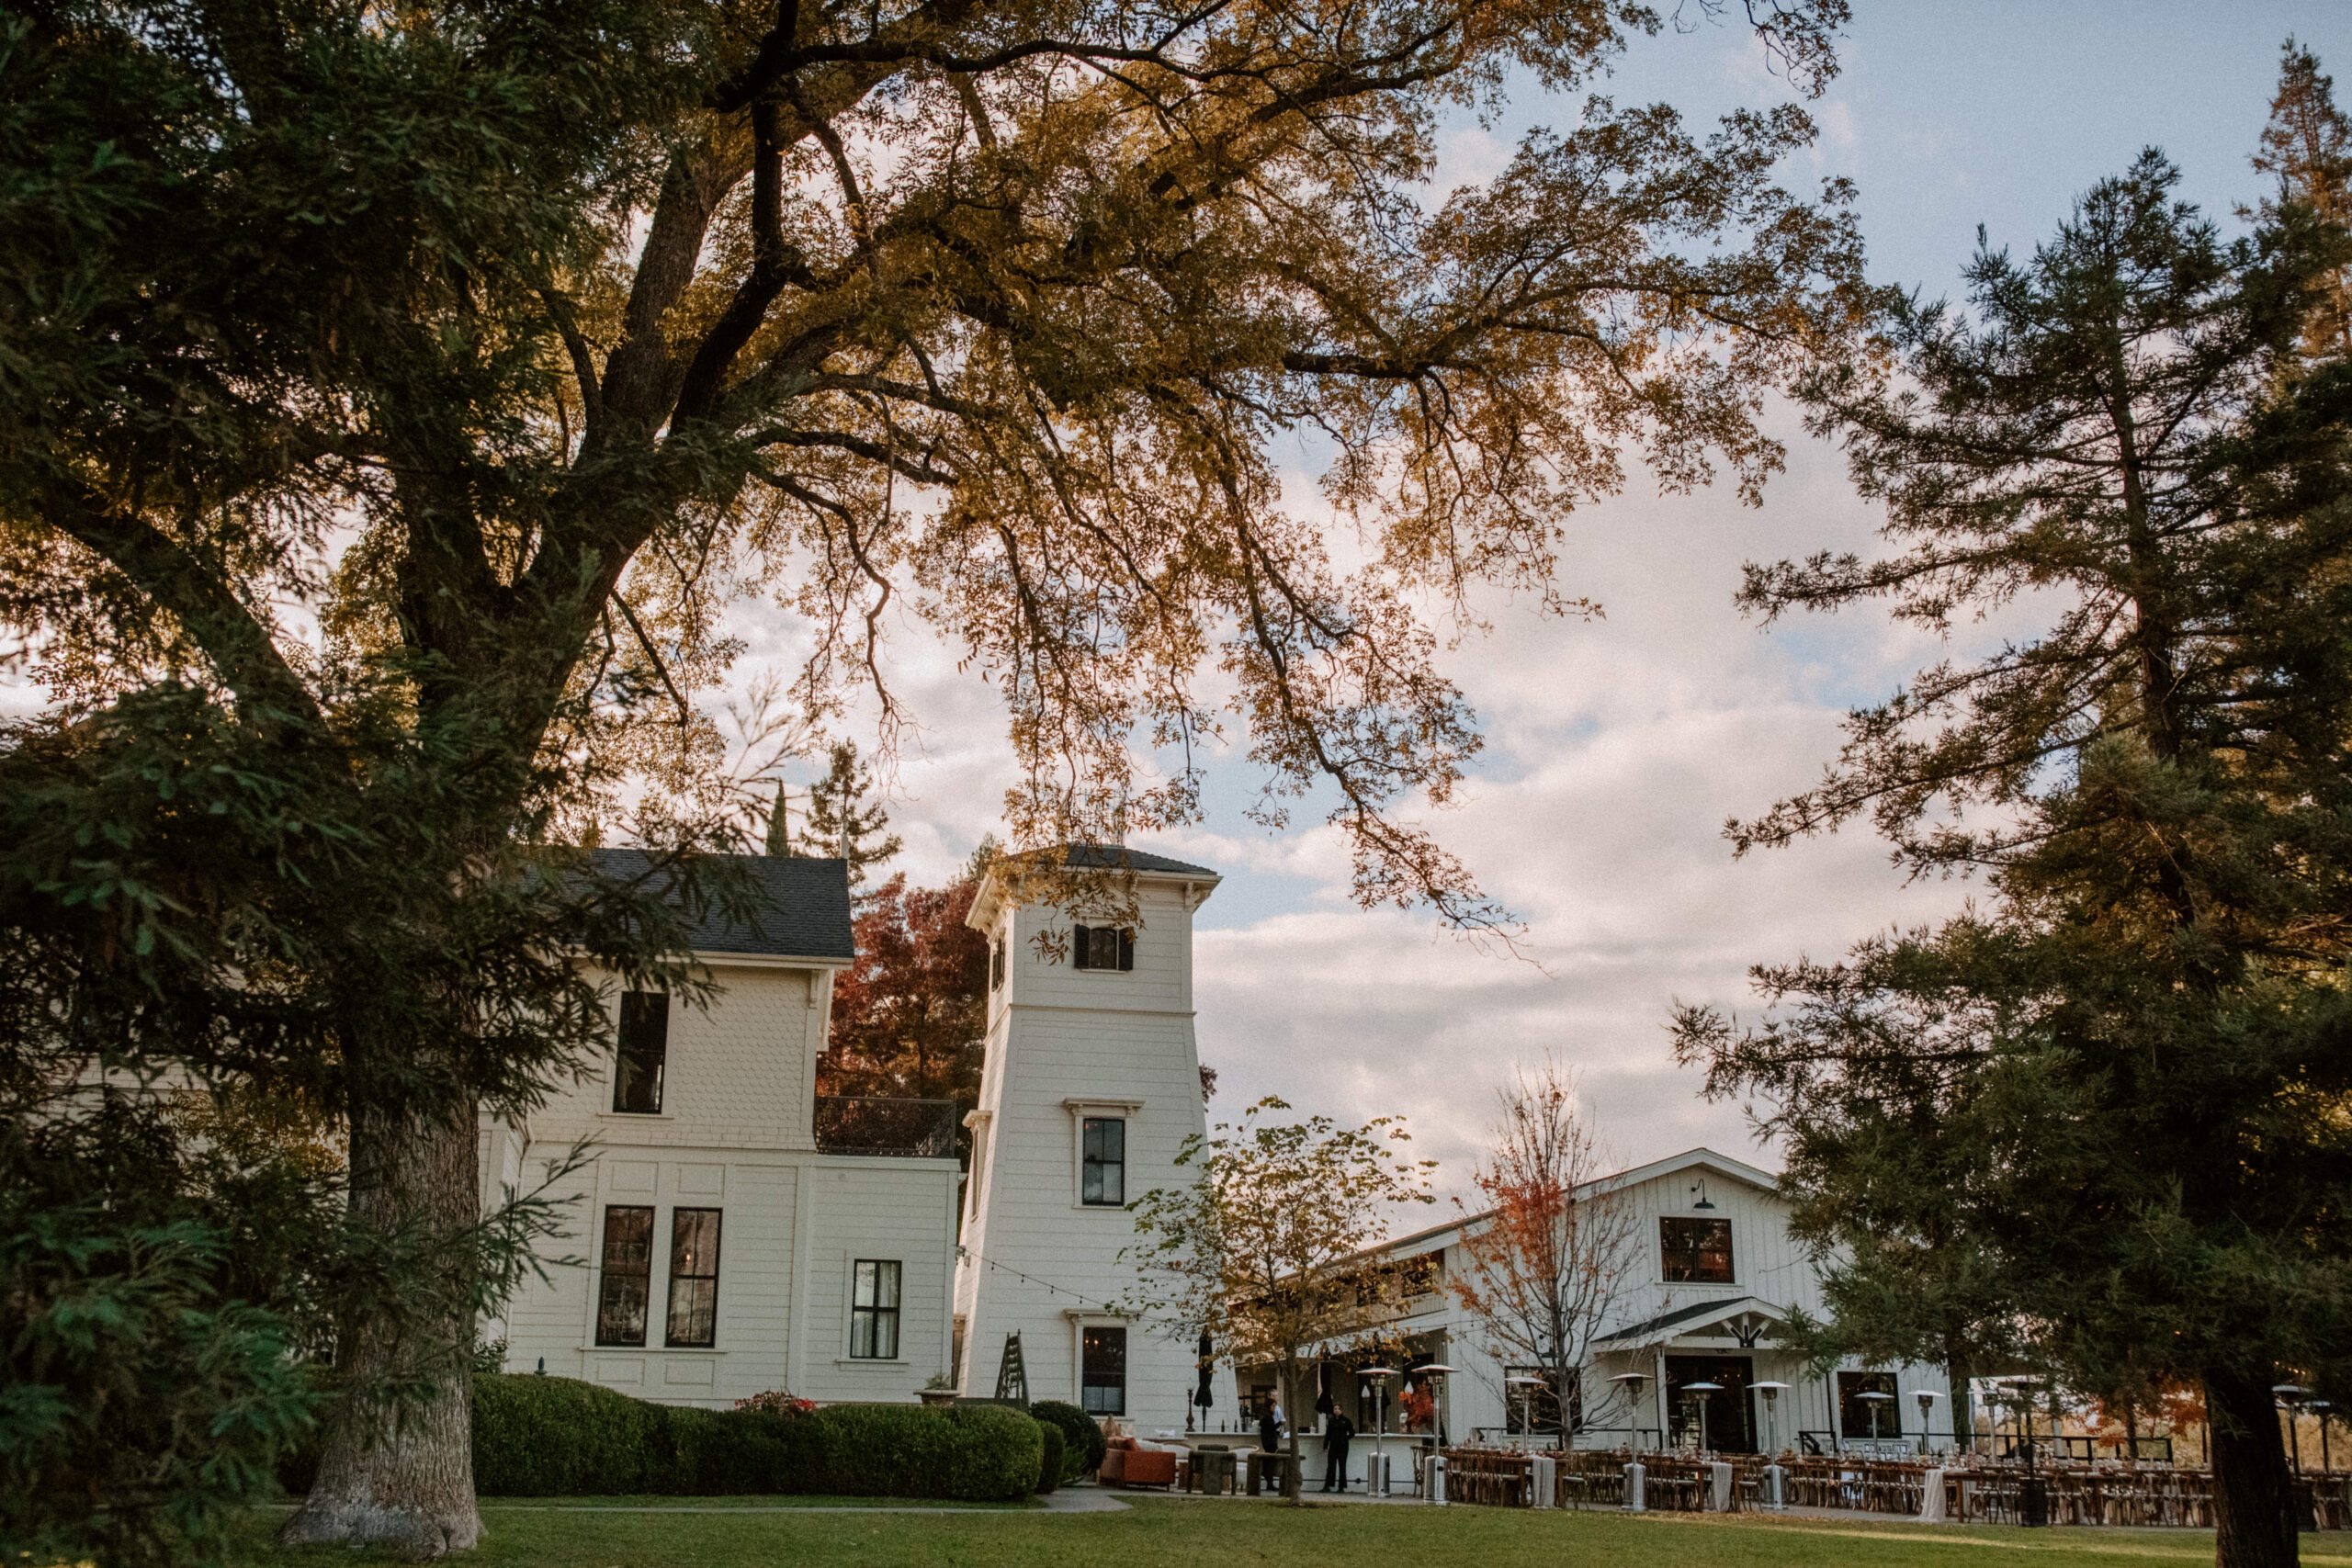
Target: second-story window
693 1278
996 965
644 1053
874 1310
1694 1252
1103 1162
1102 947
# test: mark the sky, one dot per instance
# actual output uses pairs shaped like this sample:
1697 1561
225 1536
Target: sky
1617 747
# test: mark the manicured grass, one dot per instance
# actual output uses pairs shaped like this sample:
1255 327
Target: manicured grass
540 1505
1164 1532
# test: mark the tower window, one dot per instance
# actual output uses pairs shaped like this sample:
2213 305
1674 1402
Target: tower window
1103 1162
1103 1371
1102 947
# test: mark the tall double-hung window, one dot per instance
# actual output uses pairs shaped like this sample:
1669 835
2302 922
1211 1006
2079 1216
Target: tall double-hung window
1103 1162
693 1278
874 1309
643 1054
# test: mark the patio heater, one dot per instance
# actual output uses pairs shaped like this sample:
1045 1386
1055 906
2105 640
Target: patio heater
1772 1393
1926 1398
1526 1386
1440 1371
1380 1376
1701 1389
1633 1383
2291 1397
2033 1502
2323 1406
1876 1401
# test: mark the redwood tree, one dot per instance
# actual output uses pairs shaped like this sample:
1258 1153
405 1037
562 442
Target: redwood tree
2107 1108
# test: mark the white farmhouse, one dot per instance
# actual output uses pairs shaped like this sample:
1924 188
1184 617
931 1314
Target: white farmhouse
1714 1276
733 1233
1092 1085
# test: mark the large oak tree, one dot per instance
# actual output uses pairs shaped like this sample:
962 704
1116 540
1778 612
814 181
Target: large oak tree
491 349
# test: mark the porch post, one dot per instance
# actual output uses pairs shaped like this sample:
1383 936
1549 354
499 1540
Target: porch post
1661 1400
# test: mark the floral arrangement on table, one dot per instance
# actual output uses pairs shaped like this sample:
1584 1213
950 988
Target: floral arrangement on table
1418 1407
778 1401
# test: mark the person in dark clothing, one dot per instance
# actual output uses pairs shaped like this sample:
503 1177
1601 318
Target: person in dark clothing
1336 1430
1270 1427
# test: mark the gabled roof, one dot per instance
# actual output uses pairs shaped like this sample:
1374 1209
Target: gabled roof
1750 1312
804 910
1673 1164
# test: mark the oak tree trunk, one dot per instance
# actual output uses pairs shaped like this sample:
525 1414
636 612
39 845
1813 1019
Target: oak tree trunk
2253 1524
398 1470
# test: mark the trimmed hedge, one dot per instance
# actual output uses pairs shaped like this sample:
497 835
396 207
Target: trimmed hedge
544 1437
1083 1443
1049 1469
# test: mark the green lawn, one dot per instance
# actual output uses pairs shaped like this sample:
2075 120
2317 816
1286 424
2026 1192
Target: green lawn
1164 1532
542 1504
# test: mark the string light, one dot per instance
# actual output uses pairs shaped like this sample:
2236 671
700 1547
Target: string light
963 1251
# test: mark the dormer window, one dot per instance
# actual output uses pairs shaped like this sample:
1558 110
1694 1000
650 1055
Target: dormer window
1102 947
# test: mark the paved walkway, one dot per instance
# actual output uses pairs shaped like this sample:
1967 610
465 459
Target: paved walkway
1065 1500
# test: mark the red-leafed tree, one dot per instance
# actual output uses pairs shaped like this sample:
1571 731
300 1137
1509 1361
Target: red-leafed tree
1542 1270
910 1014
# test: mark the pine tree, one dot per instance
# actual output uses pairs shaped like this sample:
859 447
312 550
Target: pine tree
779 840
2108 1111
2308 146
846 820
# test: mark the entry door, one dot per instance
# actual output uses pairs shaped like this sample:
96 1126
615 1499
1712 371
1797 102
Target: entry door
1731 1422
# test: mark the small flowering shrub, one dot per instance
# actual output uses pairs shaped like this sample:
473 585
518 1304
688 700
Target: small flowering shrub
778 1401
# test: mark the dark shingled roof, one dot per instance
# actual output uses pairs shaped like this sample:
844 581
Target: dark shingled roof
807 912
1117 857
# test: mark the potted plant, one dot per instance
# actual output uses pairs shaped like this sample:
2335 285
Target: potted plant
939 1393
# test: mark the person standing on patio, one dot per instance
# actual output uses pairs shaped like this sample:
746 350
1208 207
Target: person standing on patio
1336 1430
1270 1426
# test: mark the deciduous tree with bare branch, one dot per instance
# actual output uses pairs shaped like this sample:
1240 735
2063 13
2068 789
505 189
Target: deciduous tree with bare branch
1542 1268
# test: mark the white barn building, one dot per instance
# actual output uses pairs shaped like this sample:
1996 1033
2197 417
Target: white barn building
1715 1274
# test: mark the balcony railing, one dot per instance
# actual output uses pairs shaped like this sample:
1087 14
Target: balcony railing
920 1128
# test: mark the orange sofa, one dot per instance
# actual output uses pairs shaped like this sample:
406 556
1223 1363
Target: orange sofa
1128 1463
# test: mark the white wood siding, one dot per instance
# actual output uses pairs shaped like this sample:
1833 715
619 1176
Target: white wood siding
735 1133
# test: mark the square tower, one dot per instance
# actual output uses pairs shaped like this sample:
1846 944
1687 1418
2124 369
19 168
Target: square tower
1091 1085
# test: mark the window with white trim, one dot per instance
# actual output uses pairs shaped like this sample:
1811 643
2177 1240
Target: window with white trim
1102 947
694 1279
874 1309
1103 1162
